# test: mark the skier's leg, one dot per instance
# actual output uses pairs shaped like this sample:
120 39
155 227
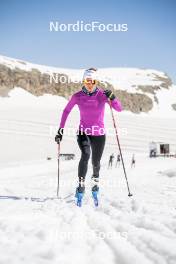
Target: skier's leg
97 146
81 185
84 145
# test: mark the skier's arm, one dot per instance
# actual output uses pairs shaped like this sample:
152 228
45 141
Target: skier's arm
67 110
110 98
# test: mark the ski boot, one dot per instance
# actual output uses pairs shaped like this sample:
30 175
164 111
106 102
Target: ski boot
95 190
80 192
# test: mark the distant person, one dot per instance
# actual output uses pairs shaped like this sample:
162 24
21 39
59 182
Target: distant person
118 161
133 161
151 153
153 149
154 153
111 159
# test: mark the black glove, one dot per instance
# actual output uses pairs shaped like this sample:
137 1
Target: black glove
109 94
59 135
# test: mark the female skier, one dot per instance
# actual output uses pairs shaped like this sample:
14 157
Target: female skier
91 134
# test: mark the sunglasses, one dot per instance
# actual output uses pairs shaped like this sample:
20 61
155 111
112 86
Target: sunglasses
89 81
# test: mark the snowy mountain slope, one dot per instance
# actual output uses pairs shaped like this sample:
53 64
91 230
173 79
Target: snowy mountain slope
121 78
153 86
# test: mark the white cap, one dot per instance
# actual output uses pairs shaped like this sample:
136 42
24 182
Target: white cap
90 74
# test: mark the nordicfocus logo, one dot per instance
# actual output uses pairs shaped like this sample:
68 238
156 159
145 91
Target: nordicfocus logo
81 26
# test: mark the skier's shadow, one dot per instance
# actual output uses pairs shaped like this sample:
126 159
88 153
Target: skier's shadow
69 200
24 198
34 199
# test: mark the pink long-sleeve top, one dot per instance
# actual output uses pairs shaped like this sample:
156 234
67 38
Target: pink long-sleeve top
91 111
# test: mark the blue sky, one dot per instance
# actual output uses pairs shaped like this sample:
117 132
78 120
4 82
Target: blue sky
149 42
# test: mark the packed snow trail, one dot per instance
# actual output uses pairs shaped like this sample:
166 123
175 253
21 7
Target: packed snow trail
123 230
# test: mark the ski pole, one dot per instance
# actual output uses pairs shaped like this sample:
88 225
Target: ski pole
58 159
115 127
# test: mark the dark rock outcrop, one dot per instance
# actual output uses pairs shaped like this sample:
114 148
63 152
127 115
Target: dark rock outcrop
39 83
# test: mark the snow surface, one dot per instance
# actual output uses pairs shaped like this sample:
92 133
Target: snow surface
35 227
